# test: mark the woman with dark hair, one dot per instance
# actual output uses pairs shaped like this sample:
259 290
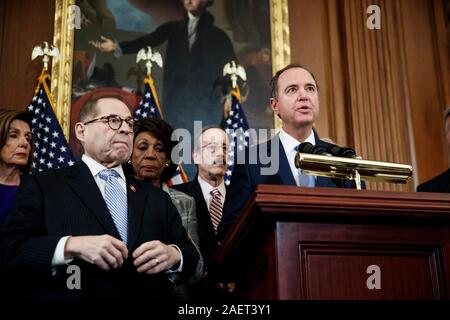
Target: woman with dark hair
151 162
15 147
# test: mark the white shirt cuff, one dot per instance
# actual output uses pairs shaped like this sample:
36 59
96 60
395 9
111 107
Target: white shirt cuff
118 51
58 257
180 268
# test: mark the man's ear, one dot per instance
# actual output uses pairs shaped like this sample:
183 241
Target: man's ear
80 131
196 157
274 106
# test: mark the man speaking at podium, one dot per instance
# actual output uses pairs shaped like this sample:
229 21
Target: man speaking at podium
295 100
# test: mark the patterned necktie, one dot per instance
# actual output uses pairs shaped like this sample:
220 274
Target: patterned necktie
192 32
215 208
306 180
116 200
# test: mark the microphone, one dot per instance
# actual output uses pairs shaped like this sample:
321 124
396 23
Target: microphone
339 151
307 147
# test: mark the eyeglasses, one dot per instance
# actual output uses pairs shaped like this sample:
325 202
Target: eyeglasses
212 147
114 121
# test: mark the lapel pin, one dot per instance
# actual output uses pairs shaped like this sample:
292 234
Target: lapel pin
133 188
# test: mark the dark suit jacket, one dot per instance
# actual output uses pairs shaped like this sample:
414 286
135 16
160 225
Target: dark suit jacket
65 202
440 183
247 176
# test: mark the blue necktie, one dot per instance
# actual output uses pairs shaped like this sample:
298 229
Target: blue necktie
116 200
306 180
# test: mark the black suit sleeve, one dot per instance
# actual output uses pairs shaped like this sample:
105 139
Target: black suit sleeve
240 190
440 183
153 39
24 242
423 187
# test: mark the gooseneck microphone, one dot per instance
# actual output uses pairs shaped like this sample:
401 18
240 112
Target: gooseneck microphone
307 147
331 149
339 151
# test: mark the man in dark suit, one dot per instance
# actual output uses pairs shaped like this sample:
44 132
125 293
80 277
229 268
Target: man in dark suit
295 100
440 183
124 236
208 190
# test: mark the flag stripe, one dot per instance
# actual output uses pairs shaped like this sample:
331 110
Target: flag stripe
151 83
50 148
149 107
236 126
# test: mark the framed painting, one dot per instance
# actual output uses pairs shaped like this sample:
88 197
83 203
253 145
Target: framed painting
254 33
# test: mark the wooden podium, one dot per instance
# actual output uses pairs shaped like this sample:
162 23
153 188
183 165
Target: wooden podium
319 243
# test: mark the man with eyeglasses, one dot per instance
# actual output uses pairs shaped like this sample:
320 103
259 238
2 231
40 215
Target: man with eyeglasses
208 189
123 236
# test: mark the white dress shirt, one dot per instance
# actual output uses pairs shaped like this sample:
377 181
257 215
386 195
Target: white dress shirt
289 144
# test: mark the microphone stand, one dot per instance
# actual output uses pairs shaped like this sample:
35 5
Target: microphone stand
353 168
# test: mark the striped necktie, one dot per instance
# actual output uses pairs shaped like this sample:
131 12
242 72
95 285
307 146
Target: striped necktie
116 201
192 32
215 208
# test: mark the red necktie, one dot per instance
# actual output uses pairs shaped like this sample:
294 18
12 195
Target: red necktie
215 208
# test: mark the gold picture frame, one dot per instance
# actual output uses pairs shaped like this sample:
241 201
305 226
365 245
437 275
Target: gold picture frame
63 38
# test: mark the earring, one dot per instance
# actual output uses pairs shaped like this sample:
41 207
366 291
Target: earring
129 162
167 163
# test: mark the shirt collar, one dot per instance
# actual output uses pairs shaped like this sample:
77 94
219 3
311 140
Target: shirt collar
207 188
96 167
192 18
290 143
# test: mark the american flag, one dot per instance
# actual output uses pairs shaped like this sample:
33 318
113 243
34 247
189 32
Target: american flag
179 177
149 105
236 126
149 108
50 148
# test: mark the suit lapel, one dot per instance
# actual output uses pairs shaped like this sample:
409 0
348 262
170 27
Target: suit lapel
284 170
197 193
202 211
137 198
324 182
84 186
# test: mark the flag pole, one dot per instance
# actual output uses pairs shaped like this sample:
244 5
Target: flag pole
50 147
150 99
235 124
